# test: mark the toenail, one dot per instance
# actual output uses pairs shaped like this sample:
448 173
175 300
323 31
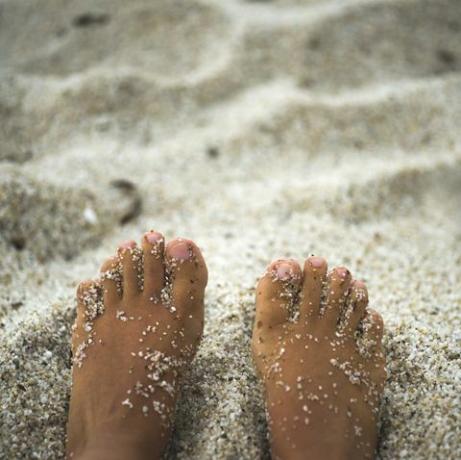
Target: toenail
284 271
358 284
108 264
153 237
181 250
129 244
316 262
342 272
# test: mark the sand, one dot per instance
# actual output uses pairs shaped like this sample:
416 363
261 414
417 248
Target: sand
259 129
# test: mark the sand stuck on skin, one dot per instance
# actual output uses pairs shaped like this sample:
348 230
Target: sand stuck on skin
260 129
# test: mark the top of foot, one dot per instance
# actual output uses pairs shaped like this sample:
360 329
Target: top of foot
318 351
138 325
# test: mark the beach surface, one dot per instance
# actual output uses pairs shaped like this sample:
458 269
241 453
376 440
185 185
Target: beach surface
259 129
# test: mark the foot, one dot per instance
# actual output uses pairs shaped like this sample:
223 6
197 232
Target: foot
137 328
317 348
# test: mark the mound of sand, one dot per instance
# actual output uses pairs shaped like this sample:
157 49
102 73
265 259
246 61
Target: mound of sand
260 129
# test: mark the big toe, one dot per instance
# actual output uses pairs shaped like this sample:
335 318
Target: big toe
276 293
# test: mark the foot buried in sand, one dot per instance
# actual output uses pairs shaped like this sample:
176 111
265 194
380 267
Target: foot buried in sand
317 348
137 328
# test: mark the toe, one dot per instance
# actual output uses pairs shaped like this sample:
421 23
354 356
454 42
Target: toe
153 245
187 278
373 329
356 304
315 271
130 257
110 276
84 291
276 293
88 294
338 284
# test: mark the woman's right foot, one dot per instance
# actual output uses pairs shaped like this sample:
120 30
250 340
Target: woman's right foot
138 326
317 349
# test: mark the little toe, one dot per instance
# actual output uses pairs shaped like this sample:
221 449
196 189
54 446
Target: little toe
338 284
110 276
187 277
84 290
356 305
88 295
373 329
315 272
276 293
153 245
130 256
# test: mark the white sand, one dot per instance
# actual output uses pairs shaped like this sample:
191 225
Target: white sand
259 129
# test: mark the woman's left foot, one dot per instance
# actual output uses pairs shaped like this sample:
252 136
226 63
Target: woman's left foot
317 348
138 326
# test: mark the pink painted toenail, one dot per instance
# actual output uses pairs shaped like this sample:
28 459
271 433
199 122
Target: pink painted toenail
181 250
284 271
129 244
154 237
316 262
